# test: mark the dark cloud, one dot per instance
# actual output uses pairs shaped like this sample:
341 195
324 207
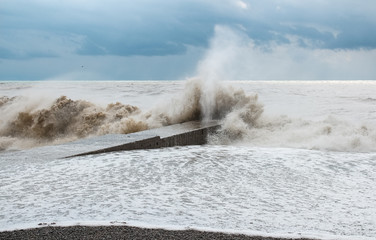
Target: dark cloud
38 29
160 28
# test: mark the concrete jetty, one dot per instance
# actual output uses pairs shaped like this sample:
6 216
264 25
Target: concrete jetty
188 133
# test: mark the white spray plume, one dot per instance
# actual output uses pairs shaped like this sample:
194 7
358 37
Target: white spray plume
215 66
234 55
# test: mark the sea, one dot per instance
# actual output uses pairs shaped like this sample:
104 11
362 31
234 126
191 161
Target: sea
291 158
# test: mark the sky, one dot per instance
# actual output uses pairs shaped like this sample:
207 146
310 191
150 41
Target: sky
177 39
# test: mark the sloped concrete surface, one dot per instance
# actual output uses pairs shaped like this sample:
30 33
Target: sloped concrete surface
188 133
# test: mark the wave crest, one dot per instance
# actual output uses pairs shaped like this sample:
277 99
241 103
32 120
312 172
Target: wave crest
29 122
63 121
33 122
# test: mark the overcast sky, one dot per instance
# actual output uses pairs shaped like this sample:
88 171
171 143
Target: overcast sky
175 39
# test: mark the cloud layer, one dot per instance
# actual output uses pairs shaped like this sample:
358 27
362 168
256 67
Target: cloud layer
115 39
233 55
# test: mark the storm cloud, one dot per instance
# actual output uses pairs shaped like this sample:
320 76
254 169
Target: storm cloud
166 39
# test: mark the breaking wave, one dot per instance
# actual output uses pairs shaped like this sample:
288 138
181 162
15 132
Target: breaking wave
28 122
35 122
281 131
64 120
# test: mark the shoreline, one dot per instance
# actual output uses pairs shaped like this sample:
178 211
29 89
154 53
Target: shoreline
125 232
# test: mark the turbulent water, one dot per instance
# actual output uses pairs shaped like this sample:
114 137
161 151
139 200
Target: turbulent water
312 115
291 158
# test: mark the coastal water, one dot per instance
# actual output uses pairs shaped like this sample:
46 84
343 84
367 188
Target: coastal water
293 158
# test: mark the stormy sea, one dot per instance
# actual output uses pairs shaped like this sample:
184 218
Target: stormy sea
290 159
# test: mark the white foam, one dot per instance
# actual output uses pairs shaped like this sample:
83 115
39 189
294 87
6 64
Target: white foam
281 192
265 175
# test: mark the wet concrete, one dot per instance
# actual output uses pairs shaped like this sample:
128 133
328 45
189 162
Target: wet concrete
188 133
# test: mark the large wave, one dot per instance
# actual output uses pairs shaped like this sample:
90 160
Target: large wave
29 122
26 124
34 120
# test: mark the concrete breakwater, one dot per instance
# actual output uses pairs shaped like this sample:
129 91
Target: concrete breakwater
188 133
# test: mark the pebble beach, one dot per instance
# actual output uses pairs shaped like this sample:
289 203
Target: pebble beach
122 232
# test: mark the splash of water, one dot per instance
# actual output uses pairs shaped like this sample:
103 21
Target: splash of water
64 120
33 122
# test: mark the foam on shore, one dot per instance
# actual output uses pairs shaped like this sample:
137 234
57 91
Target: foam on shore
141 225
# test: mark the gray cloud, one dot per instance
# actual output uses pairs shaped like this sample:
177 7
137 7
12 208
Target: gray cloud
35 29
166 27
233 55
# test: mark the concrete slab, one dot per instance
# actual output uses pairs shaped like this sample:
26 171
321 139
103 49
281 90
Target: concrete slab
188 133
